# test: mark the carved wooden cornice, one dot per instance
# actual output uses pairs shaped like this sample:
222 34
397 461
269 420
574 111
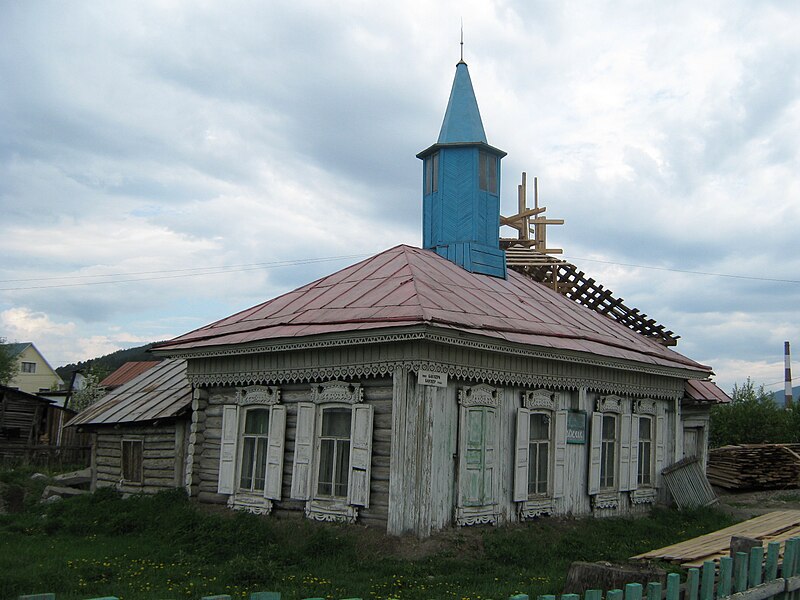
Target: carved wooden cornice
258 394
645 406
539 399
337 391
612 403
479 395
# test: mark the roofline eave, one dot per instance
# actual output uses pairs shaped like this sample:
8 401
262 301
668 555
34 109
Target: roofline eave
482 145
436 334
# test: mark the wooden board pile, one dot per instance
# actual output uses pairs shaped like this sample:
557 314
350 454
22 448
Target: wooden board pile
755 466
776 526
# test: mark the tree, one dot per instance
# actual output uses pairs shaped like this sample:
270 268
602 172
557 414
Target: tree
90 392
9 367
752 418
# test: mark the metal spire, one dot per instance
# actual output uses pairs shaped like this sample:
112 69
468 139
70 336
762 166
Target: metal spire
462 41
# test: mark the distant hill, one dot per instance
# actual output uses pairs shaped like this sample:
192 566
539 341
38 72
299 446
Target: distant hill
780 396
110 362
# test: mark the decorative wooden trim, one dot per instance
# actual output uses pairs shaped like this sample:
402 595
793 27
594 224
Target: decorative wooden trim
252 503
539 400
645 406
479 395
610 403
433 334
530 509
332 512
605 500
337 391
644 496
483 515
257 394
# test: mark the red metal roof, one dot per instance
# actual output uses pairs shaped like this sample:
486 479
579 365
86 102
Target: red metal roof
406 286
158 393
127 372
706 391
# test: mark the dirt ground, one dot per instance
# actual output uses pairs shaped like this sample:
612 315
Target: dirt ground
748 504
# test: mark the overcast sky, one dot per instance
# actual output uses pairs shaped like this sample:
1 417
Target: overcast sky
162 162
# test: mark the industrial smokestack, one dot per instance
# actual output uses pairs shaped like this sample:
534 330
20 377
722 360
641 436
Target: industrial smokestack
787 361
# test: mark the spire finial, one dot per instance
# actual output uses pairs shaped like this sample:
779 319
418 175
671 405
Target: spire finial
462 41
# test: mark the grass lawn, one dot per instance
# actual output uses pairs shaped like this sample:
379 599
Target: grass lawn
166 546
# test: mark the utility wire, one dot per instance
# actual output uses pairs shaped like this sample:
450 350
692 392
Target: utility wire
749 277
207 271
199 271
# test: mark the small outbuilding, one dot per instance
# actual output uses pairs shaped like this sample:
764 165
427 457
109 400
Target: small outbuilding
139 431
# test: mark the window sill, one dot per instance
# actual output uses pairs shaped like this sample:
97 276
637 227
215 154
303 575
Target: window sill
605 499
250 502
336 511
477 515
535 507
644 496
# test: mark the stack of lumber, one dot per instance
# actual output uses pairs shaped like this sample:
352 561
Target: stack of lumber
777 526
755 466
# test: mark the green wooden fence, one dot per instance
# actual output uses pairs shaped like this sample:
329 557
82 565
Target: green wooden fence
747 576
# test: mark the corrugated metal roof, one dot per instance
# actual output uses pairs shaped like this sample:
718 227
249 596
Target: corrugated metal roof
706 391
127 372
158 393
408 286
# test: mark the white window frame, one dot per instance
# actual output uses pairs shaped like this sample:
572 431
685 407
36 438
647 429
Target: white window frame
609 497
231 450
543 402
646 447
306 463
647 408
130 442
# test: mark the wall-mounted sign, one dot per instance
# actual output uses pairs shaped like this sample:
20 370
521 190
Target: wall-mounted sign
576 427
432 378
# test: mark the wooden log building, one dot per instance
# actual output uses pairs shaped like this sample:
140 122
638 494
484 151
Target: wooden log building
420 388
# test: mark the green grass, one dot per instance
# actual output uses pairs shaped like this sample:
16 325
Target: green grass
165 546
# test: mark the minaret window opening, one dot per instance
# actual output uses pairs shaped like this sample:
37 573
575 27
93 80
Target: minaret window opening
487 172
432 173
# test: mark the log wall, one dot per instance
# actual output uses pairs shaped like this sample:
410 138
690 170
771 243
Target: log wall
163 453
205 468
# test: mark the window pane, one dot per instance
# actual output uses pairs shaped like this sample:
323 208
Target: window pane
543 463
248 455
326 457
261 464
342 468
609 427
533 461
257 421
539 427
435 175
645 426
428 175
482 170
492 175
336 422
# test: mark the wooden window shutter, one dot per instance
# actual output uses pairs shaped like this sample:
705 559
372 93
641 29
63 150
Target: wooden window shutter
360 455
227 452
661 446
560 454
471 487
521 455
277 432
489 455
303 451
635 453
626 469
595 453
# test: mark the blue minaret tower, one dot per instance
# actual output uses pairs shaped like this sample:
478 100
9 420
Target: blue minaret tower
461 187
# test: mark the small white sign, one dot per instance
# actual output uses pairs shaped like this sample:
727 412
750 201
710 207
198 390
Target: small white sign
431 378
